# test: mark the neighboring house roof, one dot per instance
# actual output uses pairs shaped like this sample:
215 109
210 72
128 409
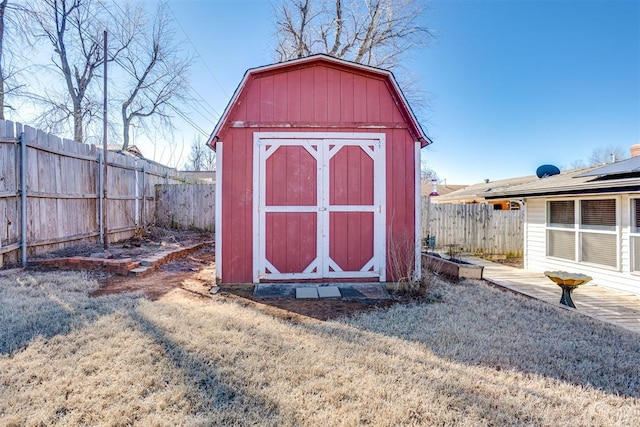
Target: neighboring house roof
616 177
441 188
415 127
131 150
480 192
209 176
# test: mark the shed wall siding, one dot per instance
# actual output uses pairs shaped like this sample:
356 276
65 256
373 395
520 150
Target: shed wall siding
316 98
535 251
237 206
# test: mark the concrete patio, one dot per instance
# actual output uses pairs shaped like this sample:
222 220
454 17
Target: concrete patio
605 304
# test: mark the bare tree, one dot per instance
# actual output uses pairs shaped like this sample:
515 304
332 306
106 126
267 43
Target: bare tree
371 32
602 155
12 58
608 154
158 75
196 160
3 7
75 30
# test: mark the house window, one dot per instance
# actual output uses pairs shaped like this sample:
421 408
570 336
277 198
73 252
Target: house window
598 214
583 231
596 247
560 242
561 213
635 234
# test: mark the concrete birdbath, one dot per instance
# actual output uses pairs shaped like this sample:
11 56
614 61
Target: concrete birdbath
568 282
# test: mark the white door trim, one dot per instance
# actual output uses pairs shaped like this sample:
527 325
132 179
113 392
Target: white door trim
328 144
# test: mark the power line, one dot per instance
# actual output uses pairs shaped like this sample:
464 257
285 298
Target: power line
202 102
166 4
84 33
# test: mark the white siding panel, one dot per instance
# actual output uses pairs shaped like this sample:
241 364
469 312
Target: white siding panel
535 229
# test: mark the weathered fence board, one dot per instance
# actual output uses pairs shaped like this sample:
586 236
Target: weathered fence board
476 228
62 189
186 206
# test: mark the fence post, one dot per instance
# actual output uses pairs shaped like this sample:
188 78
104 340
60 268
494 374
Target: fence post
136 194
143 215
23 197
100 196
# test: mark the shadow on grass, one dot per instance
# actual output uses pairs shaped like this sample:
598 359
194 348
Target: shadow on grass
42 305
215 395
388 366
480 326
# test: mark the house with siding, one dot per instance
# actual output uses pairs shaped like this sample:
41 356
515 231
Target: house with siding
584 221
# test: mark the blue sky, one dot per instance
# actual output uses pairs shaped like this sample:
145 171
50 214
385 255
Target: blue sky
510 85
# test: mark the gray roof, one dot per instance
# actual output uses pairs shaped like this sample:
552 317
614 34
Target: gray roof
592 180
480 191
625 166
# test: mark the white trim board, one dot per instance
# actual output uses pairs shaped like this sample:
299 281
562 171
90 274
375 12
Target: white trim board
218 213
322 146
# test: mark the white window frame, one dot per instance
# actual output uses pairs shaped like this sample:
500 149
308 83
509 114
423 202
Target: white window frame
560 228
579 231
634 236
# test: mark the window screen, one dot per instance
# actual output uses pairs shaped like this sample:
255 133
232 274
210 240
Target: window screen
599 249
598 214
561 244
561 213
636 253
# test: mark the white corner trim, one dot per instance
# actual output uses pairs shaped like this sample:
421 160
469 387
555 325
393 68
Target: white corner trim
257 224
218 213
417 274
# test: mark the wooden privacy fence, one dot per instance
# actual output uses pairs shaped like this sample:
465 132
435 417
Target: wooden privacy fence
51 193
186 206
476 228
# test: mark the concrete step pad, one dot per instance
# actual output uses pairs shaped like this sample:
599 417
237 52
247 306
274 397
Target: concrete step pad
329 292
309 293
371 291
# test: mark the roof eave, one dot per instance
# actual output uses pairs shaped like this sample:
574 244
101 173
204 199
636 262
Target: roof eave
566 192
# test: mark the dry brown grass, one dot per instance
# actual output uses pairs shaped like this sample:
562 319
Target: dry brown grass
480 357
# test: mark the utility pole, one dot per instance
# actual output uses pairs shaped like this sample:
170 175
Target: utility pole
105 223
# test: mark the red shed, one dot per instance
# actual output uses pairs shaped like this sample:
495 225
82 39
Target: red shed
318 172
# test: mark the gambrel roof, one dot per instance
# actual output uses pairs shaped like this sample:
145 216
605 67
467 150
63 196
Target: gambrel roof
320 59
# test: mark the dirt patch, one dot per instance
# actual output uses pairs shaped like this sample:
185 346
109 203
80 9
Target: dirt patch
194 274
322 309
148 242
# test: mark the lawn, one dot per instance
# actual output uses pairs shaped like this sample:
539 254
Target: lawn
478 357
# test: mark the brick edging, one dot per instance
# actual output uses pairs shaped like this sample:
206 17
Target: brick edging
123 267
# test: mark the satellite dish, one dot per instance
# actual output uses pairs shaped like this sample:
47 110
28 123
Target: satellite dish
547 170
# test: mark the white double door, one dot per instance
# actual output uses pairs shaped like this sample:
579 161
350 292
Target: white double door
319 206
